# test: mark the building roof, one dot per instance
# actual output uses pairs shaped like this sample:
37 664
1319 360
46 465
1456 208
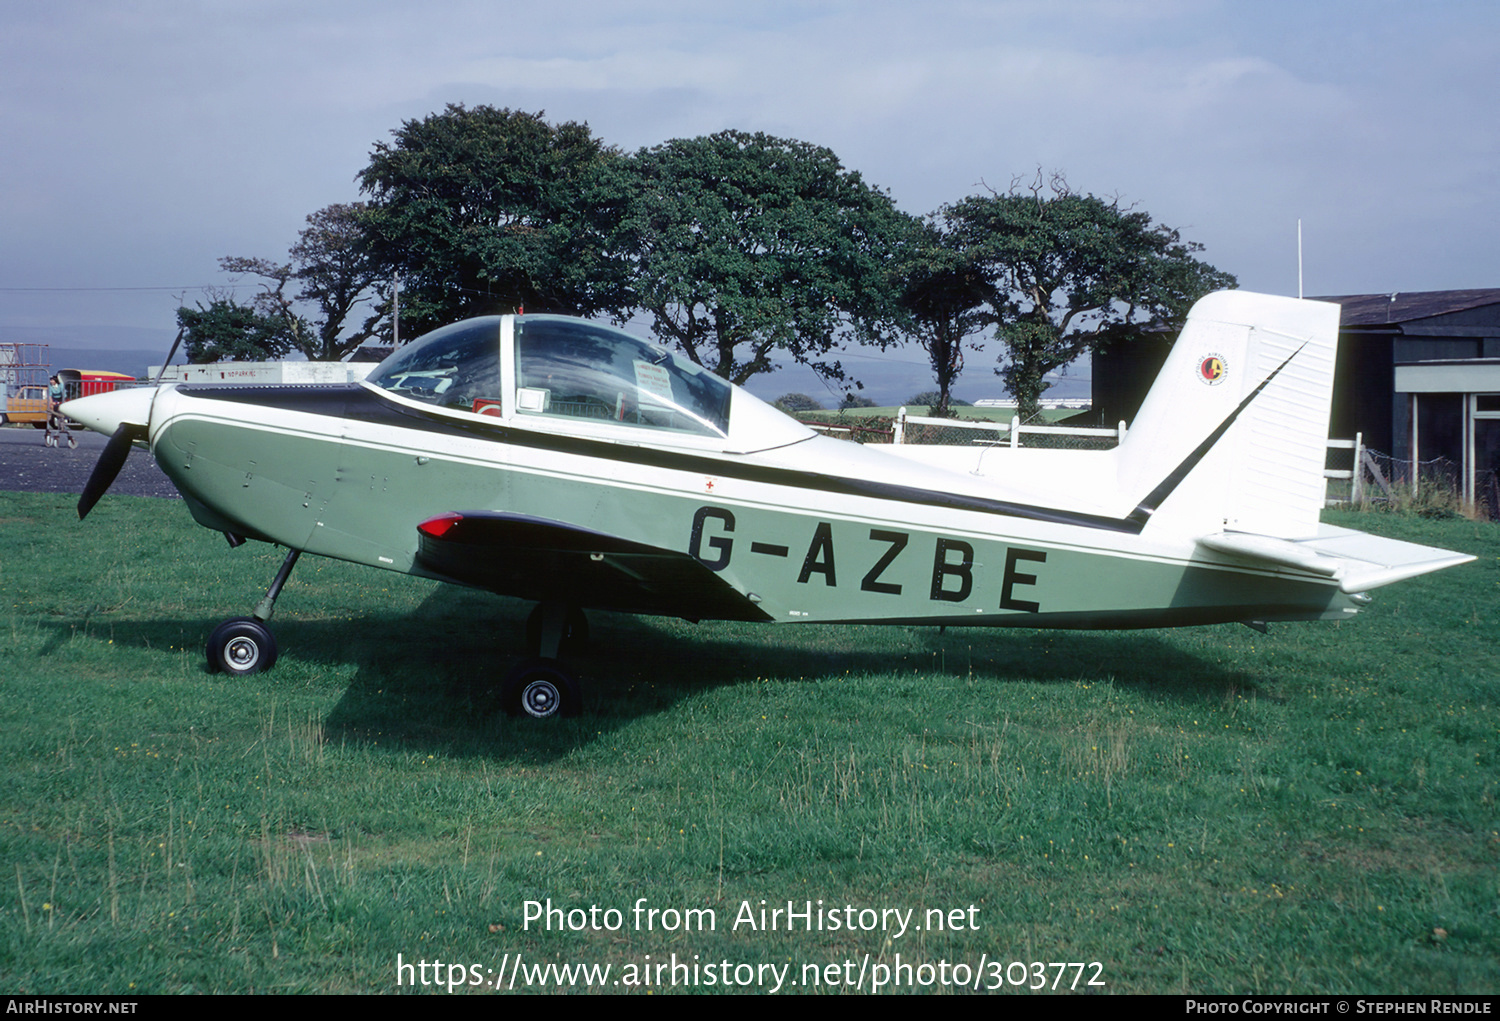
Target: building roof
1405 306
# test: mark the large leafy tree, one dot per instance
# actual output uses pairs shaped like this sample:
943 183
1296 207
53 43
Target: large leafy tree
744 247
947 301
1069 270
484 210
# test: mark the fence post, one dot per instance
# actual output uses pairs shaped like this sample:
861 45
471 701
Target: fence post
1356 491
898 434
1015 431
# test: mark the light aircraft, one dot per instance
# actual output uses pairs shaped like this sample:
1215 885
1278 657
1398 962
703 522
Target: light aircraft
571 463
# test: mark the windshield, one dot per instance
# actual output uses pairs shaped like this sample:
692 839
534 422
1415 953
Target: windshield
457 366
578 369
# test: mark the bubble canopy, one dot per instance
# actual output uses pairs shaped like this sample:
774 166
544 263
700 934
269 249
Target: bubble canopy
573 374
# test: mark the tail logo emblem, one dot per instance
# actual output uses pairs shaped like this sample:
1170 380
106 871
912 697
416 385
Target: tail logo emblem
1212 370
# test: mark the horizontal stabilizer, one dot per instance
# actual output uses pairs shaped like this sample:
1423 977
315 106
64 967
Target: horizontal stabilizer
1280 552
1358 561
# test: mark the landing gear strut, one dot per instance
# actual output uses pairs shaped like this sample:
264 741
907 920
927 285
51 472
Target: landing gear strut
540 686
555 628
244 645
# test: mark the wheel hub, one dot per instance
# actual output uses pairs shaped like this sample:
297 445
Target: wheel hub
242 653
540 698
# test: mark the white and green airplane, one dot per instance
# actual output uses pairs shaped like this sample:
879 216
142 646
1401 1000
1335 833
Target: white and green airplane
567 462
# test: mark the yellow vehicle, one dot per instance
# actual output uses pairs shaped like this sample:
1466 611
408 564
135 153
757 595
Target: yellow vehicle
27 404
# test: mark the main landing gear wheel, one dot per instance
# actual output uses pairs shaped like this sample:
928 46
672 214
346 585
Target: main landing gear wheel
241 647
540 688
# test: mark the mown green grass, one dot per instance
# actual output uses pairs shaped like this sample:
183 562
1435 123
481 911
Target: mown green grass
1204 810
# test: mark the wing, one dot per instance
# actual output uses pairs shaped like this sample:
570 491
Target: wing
519 555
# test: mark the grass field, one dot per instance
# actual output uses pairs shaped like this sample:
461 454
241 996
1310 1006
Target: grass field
1204 810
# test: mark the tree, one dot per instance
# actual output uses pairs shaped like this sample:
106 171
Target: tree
272 305
931 399
331 260
946 299
228 331
794 403
1068 270
338 274
744 247
489 210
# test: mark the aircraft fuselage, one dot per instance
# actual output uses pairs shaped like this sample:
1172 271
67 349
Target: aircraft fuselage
817 530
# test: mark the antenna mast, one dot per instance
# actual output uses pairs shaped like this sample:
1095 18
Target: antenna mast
1299 257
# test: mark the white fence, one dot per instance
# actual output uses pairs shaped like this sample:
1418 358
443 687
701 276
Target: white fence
1013 429
1362 464
1354 474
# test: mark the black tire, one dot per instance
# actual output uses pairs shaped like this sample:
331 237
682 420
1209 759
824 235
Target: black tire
575 632
541 689
241 647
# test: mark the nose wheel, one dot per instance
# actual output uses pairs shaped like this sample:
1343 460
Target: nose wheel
241 647
244 645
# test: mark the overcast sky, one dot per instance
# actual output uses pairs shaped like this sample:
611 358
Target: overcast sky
144 140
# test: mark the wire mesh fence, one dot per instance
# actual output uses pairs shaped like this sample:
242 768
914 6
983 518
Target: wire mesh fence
1434 488
857 429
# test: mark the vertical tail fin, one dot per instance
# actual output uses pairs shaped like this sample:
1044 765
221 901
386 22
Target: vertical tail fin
1233 433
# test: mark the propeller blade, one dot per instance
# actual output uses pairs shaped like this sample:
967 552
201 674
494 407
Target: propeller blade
163 370
109 465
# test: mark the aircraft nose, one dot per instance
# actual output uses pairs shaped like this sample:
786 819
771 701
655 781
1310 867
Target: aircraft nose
106 412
